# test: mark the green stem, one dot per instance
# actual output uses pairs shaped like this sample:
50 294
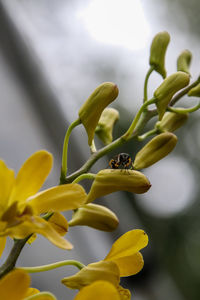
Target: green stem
184 110
39 296
65 147
146 116
84 176
147 134
52 266
137 117
146 82
13 256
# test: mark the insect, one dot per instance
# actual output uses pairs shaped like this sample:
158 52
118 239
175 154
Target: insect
121 161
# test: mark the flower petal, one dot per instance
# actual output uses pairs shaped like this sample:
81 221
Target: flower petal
102 270
42 296
130 265
112 180
59 223
2 244
32 175
7 179
59 198
128 244
31 292
14 285
39 225
95 216
99 290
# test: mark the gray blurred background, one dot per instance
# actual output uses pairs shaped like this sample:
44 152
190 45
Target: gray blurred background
53 54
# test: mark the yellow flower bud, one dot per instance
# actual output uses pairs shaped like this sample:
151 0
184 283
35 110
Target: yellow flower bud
102 270
105 125
155 150
157 52
172 121
112 180
96 216
183 61
168 88
195 91
91 110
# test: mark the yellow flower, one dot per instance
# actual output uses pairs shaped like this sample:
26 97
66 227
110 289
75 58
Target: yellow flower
108 181
15 285
99 290
124 259
21 204
95 216
90 112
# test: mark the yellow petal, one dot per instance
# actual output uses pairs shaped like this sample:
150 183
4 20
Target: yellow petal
130 265
95 216
91 110
59 223
99 290
14 285
7 179
31 292
42 296
109 181
128 244
102 270
156 149
32 175
39 225
59 198
2 244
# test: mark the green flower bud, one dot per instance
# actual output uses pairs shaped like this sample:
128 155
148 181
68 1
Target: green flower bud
112 180
155 150
105 125
102 270
195 91
168 88
157 52
172 121
183 61
95 216
91 110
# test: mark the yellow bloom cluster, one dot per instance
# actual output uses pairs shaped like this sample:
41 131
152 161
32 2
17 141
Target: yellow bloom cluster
123 259
21 205
25 211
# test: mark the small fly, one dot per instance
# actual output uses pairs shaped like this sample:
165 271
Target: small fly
121 161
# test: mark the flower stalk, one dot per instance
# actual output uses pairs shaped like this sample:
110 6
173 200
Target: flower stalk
53 266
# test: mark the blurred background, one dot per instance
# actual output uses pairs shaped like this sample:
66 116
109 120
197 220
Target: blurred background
53 54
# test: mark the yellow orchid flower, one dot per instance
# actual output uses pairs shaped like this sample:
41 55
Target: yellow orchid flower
21 204
124 259
15 285
99 290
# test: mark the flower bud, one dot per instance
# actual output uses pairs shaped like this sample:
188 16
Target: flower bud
155 150
105 125
112 180
171 121
157 52
168 88
195 91
102 270
91 110
96 216
183 61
